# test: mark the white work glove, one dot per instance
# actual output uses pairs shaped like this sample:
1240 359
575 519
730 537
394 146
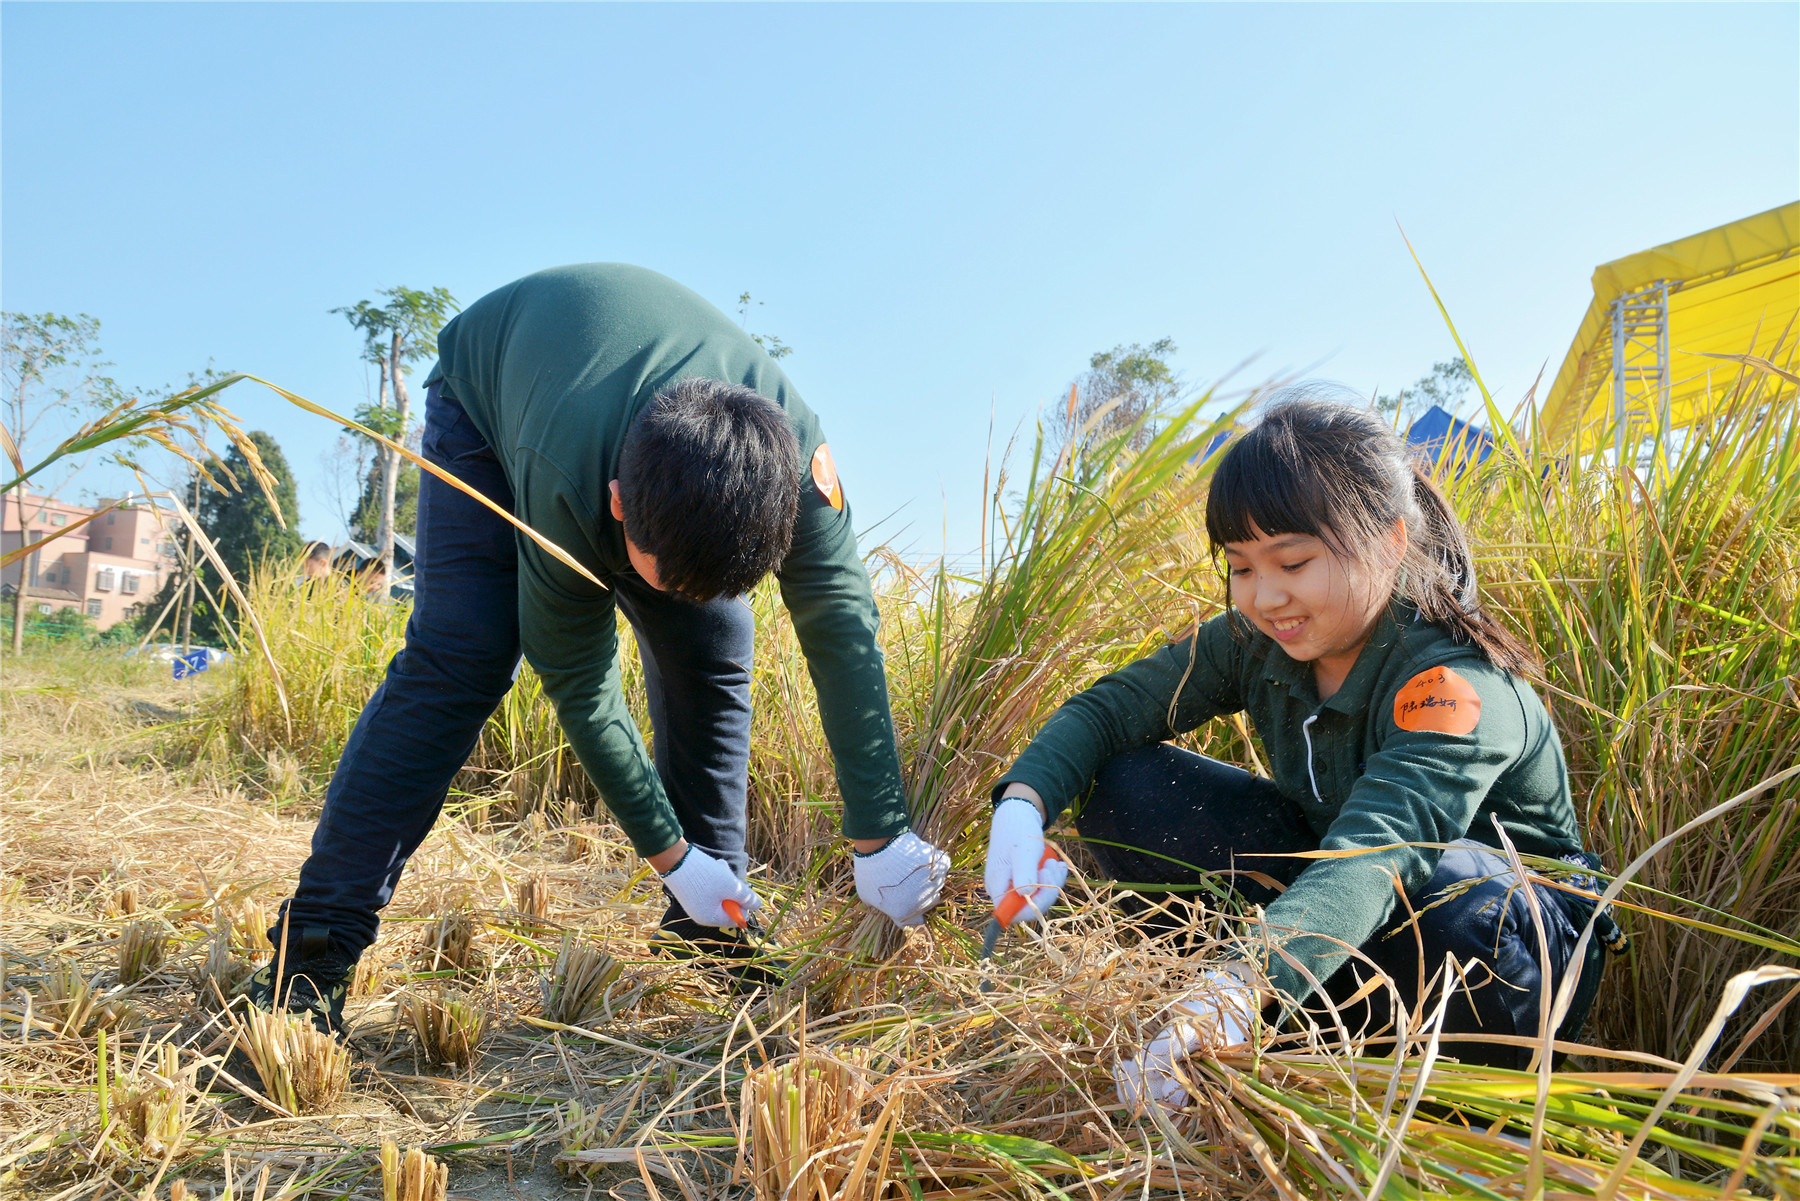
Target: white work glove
1218 1014
903 879
701 885
1015 845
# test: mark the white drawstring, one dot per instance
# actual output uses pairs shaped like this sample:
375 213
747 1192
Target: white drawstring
1306 732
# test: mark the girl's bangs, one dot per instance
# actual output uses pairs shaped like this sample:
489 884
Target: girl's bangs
1255 491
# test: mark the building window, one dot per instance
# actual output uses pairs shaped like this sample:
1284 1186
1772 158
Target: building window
103 580
109 544
93 607
109 518
128 583
58 519
46 610
144 541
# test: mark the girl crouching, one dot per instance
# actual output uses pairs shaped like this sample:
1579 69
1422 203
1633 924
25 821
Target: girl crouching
1397 724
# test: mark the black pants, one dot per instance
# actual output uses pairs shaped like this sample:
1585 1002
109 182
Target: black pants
1162 816
460 658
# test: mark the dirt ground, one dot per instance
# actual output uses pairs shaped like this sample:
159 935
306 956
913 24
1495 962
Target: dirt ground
103 825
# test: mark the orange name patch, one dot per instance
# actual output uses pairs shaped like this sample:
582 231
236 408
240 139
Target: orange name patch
1439 700
825 477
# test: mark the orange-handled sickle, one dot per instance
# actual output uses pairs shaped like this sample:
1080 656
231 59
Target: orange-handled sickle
1007 912
1014 902
735 912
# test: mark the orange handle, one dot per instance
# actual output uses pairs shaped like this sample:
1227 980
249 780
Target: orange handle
1014 902
735 912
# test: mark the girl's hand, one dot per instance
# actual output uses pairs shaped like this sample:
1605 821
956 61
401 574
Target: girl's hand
1015 847
1218 1014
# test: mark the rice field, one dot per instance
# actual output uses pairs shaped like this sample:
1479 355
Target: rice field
511 1035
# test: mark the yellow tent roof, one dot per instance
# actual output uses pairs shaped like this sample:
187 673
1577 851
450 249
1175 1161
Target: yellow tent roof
1732 290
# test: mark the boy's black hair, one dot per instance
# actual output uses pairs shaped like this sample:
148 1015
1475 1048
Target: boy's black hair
709 481
1339 473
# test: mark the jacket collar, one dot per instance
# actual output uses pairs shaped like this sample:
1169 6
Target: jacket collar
1357 691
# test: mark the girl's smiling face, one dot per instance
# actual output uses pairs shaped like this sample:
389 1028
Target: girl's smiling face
1318 606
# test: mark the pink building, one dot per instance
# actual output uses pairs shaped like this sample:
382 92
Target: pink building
107 568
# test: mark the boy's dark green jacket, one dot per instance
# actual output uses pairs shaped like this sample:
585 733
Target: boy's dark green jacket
1425 742
552 369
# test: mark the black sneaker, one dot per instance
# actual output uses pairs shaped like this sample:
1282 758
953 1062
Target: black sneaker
745 956
315 979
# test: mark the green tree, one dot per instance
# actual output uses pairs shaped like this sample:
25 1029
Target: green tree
365 519
1446 386
773 346
243 528
396 334
51 368
1135 376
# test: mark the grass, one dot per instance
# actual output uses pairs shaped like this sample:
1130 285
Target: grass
1663 603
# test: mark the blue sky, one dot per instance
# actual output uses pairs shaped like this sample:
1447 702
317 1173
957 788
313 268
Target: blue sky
945 209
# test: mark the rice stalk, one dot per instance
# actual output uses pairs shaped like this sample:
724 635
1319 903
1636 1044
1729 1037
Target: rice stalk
143 945
579 989
809 1131
448 1026
534 897
124 900
154 1107
75 1006
302 1070
412 1175
221 974
455 942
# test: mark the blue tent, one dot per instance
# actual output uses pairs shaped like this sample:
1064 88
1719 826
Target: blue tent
1436 428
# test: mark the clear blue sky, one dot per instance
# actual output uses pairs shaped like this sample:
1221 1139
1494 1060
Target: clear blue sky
945 208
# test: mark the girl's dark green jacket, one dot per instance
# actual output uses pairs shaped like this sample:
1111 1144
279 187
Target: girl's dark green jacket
1425 742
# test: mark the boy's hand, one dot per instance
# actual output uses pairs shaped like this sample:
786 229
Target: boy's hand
1015 848
903 879
701 885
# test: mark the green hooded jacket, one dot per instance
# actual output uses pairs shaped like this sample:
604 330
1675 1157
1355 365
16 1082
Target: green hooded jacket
552 369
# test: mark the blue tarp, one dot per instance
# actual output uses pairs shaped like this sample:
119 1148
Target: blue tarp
1436 428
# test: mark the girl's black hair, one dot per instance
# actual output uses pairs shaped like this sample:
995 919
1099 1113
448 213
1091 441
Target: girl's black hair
1341 474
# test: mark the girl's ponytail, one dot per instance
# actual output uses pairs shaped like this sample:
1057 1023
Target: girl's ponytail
1438 577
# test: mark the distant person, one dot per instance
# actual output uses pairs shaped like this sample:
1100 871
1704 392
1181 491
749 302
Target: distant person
317 563
638 428
1397 720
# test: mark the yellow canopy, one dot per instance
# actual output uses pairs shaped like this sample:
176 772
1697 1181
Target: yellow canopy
1730 290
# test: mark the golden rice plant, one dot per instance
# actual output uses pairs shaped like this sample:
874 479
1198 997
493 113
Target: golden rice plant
143 945
448 1026
412 1175
302 1070
579 989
